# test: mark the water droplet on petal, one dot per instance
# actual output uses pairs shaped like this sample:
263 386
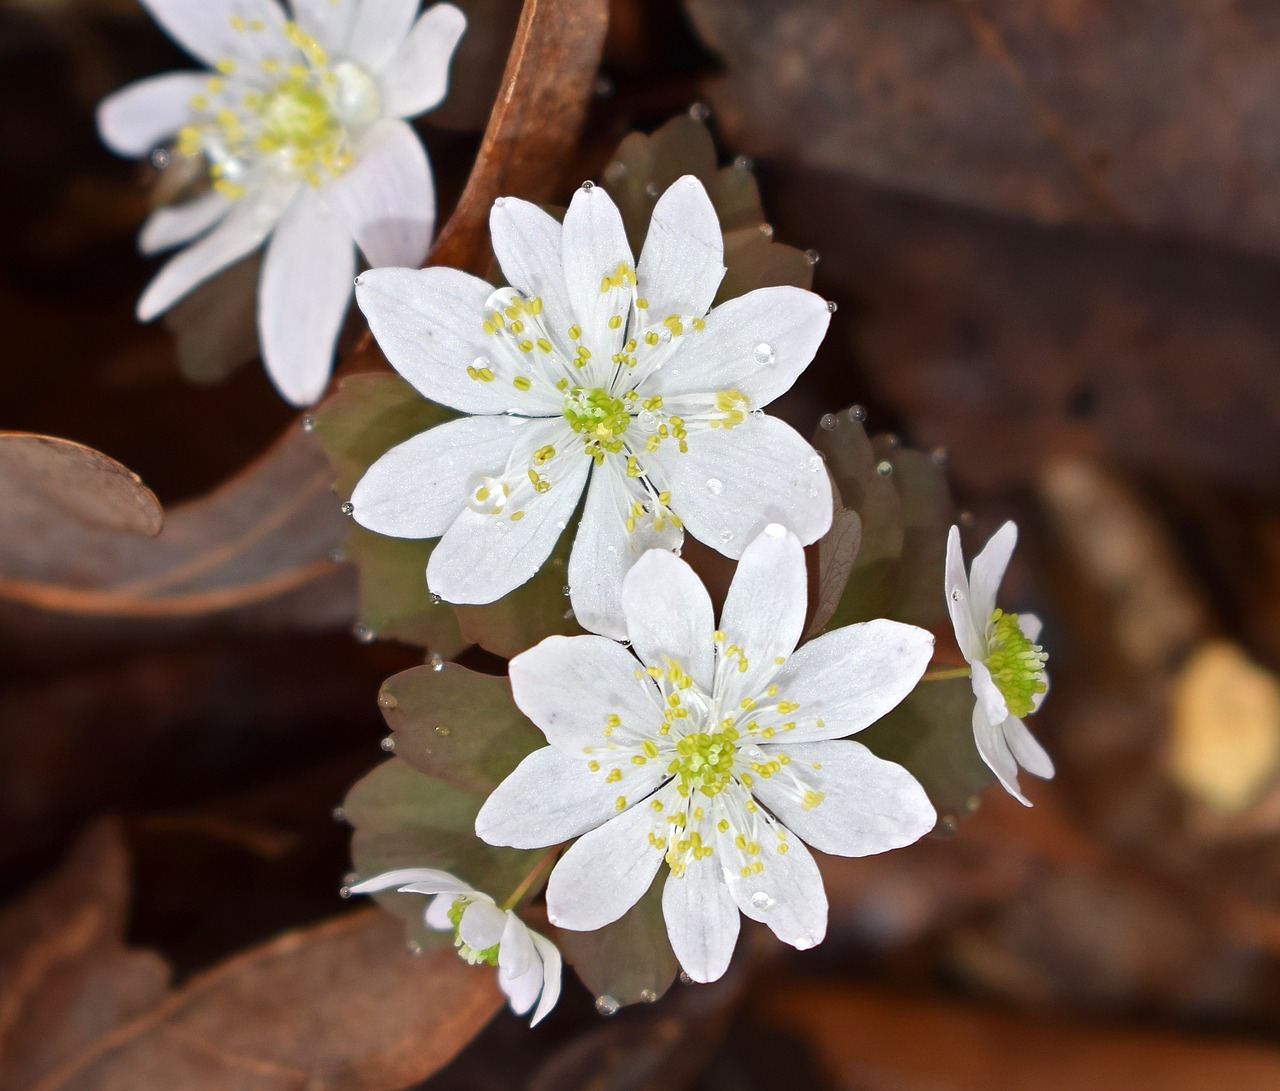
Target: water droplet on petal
764 354
434 599
665 336
685 978
413 948
388 744
828 421
743 162
726 536
480 362
363 633
435 661
832 306
443 730
814 464
344 892
339 815
588 185
766 230
884 469
648 996
348 508
715 486
387 701
956 595
857 412
560 525
307 423
812 257
761 901
499 201
607 1005
566 590
699 111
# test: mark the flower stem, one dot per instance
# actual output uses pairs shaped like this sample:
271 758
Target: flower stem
945 673
529 879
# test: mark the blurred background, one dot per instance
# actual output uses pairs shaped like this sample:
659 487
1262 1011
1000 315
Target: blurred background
1053 231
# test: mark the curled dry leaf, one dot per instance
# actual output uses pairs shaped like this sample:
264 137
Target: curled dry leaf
47 483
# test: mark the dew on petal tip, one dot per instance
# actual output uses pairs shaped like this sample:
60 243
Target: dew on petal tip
832 306
358 281
715 486
339 815
814 464
388 744
499 201
761 901
857 413
607 1005
812 257
648 996
699 111
444 730
685 979
435 661
764 354
828 421
387 701
744 162
726 536
566 590
588 185
344 892
434 599
884 468
348 508
363 633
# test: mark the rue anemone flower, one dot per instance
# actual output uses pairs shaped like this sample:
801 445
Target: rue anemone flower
593 372
1006 666
718 753
300 120
528 964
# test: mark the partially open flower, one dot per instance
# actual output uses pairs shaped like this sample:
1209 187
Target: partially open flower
1005 663
528 964
718 752
300 121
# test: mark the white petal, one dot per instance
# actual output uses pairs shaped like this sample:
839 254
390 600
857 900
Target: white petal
668 613
956 584
569 685
550 798
328 21
604 873
436 915
1026 750
870 805
993 748
787 895
379 30
702 920
517 954
604 551
1030 625
173 225
987 571
418 488
387 197
241 231
682 262
988 694
593 245
205 29
526 242
758 343
732 483
482 924
417 78
485 556
763 612
424 880
850 677
521 988
551 968
303 294
428 323
138 118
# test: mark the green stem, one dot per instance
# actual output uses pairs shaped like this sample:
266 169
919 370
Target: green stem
945 673
529 879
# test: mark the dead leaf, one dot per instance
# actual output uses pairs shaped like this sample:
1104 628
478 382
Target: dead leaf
46 482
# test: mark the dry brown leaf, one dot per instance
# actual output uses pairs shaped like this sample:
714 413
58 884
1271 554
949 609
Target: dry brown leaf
47 482
66 978
535 121
871 1040
337 1006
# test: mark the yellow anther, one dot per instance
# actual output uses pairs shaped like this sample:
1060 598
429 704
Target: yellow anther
620 803
516 516
594 766
575 331
614 775
615 322
521 382
642 303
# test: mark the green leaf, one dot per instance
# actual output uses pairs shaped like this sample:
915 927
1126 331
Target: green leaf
457 725
931 735
631 959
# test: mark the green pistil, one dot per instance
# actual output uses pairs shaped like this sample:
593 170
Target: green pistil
704 762
1016 665
489 955
598 416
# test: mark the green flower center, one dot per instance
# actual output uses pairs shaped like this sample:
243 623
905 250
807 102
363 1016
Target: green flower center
1016 665
466 952
704 762
297 117
598 417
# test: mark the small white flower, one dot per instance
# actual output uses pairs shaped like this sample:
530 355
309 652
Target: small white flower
301 122
592 372
715 753
528 964
1006 666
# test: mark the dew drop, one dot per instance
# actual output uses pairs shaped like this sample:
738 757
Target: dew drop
956 596
651 189
387 701
344 892
307 423
857 412
160 158
764 354
665 337
359 281
435 661
647 420
648 996
766 230
743 162
348 508
761 901
715 486
685 979
443 730
832 306
481 361
339 815
560 525
413 948
607 1005
388 744
337 556
363 633
812 257
434 599
566 590
828 421
806 941
699 111
726 536
499 201
588 185
940 456
814 464
884 469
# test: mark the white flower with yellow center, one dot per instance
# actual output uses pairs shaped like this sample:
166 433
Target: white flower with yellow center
300 120
1006 665
593 372
528 964
718 752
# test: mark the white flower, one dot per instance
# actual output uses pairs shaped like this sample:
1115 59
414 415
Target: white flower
528 964
300 120
716 752
1007 667
592 367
